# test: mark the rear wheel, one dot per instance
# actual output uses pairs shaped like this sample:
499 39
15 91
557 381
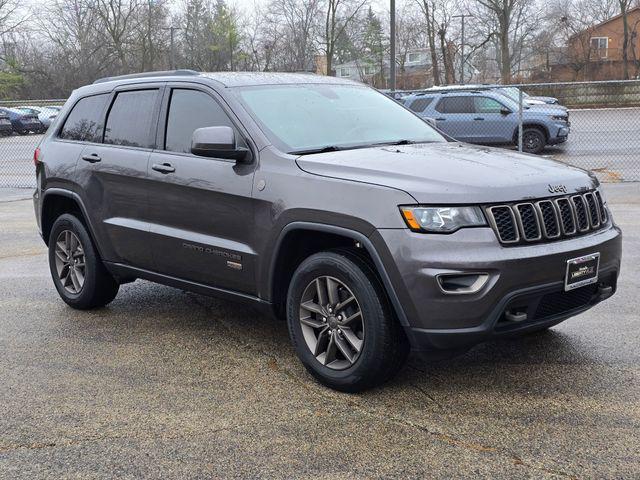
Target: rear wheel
533 140
79 276
340 322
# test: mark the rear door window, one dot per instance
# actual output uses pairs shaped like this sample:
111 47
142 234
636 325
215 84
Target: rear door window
456 105
131 121
84 123
419 105
188 111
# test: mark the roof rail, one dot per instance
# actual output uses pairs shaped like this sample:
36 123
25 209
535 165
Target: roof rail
166 73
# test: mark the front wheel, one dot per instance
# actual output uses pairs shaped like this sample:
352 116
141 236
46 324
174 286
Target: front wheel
77 271
533 140
341 324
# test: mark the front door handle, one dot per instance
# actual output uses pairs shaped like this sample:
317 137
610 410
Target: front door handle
93 158
440 119
478 119
163 168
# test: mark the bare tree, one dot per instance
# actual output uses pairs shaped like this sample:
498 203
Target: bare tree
339 14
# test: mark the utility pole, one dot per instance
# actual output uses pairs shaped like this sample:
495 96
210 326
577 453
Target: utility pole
463 16
392 52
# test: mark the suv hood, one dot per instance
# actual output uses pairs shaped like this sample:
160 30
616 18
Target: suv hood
451 172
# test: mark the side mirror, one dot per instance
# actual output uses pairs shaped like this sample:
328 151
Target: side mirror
217 142
505 111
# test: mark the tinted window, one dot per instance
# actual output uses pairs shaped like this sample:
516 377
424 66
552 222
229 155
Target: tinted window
84 123
420 104
456 105
487 105
131 119
188 111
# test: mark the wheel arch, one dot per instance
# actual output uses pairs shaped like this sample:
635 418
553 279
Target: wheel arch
282 265
536 125
57 201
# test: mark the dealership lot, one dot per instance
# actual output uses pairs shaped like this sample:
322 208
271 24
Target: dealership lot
168 383
603 140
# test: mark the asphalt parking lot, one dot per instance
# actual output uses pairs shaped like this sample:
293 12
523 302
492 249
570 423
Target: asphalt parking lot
168 384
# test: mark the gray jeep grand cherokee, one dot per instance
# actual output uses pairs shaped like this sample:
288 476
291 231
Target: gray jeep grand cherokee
322 201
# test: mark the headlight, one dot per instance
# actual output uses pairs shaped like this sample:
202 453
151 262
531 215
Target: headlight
442 219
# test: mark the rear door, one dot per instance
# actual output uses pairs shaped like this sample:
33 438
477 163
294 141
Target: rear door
200 207
113 174
455 117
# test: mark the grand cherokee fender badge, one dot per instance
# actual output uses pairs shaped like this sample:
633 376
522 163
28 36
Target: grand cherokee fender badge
557 188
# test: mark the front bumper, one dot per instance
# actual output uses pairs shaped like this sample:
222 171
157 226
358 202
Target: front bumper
529 277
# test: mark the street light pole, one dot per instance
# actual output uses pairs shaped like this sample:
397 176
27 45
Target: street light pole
392 52
463 17
172 51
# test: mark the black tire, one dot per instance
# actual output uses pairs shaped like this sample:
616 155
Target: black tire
99 287
385 347
533 140
22 132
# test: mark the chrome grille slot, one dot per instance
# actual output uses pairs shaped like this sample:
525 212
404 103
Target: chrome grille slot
581 212
567 219
594 214
603 209
550 224
504 223
528 222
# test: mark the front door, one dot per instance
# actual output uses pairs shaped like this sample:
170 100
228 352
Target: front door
200 207
497 125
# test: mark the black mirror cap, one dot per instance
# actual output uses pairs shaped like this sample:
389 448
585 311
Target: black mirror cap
505 111
218 142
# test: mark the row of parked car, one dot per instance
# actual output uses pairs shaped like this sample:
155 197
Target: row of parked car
26 119
490 115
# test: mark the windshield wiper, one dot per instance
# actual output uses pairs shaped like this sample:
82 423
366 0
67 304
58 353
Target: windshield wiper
328 148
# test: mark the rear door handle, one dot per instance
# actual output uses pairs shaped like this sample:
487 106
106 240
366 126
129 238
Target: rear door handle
163 168
440 119
93 158
478 118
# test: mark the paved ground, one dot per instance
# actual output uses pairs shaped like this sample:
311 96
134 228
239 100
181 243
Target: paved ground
167 384
606 141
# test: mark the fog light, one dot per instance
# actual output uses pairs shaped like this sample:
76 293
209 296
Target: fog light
462 283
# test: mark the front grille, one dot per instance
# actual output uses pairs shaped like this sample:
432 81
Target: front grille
548 219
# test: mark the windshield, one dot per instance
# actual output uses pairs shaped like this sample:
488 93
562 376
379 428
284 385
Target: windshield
307 117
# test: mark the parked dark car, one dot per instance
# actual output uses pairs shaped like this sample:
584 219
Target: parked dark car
5 124
321 201
23 122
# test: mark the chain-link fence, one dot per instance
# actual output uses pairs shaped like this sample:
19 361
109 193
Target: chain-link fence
592 125
21 126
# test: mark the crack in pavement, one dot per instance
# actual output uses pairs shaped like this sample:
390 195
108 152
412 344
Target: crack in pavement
322 393
100 438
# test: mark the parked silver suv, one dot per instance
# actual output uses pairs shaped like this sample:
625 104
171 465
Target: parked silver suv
321 201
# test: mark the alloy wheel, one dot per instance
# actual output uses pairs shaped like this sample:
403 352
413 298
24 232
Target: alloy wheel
70 261
531 142
332 322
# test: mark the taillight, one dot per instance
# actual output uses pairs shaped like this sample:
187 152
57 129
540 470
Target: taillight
36 157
